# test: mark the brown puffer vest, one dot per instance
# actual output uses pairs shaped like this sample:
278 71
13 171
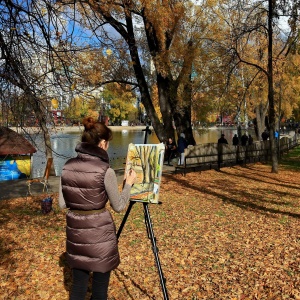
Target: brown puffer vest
91 238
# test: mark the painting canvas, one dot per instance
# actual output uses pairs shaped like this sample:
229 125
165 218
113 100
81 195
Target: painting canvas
147 161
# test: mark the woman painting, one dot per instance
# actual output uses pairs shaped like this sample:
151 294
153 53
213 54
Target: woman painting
87 184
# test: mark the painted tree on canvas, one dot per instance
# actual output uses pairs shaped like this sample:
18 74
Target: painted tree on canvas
146 160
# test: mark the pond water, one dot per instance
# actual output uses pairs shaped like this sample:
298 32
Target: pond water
64 144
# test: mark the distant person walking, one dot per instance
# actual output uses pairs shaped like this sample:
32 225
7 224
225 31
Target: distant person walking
222 139
244 139
235 140
181 145
250 140
265 135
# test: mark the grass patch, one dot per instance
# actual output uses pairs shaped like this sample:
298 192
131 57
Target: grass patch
291 160
284 220
138 222
220 213
134 242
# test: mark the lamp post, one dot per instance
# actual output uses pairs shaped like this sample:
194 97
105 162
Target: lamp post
102 117
139 109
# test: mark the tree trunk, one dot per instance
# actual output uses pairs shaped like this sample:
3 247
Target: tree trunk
182 113
166 90
146 100
260 112
41 117
271 91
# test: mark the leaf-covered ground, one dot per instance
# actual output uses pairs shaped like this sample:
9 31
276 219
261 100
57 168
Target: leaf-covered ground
233 234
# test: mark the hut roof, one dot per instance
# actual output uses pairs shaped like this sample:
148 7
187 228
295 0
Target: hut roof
12 142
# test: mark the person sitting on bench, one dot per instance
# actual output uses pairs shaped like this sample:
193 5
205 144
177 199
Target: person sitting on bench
171 150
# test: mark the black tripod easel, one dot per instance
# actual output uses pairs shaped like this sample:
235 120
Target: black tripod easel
150 231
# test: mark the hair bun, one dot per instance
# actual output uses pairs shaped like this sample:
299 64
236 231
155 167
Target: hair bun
88 123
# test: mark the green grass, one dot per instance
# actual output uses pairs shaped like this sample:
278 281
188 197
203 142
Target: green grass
135 241
138 222
284 220
220 213
291 161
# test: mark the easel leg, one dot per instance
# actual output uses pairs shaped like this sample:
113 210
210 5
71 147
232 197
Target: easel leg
125 218
155 250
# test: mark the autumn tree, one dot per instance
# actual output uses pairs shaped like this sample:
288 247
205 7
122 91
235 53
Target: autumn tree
78 109
32 60
287 88
18 58
120 102
152 44
250 41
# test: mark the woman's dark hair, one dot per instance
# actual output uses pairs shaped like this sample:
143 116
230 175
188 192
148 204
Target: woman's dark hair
94 131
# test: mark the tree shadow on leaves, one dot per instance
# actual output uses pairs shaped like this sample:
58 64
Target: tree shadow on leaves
7 245
217 192
119 274
259 178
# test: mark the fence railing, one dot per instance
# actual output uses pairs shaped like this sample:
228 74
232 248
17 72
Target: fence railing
211 154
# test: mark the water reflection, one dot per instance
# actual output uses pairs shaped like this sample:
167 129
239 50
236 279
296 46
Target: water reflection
212 135
64 146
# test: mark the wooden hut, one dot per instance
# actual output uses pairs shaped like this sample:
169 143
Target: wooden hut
15 155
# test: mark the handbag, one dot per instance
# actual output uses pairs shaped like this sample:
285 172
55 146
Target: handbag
46 205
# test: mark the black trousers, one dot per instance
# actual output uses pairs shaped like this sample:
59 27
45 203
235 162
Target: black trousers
81 281
170 154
